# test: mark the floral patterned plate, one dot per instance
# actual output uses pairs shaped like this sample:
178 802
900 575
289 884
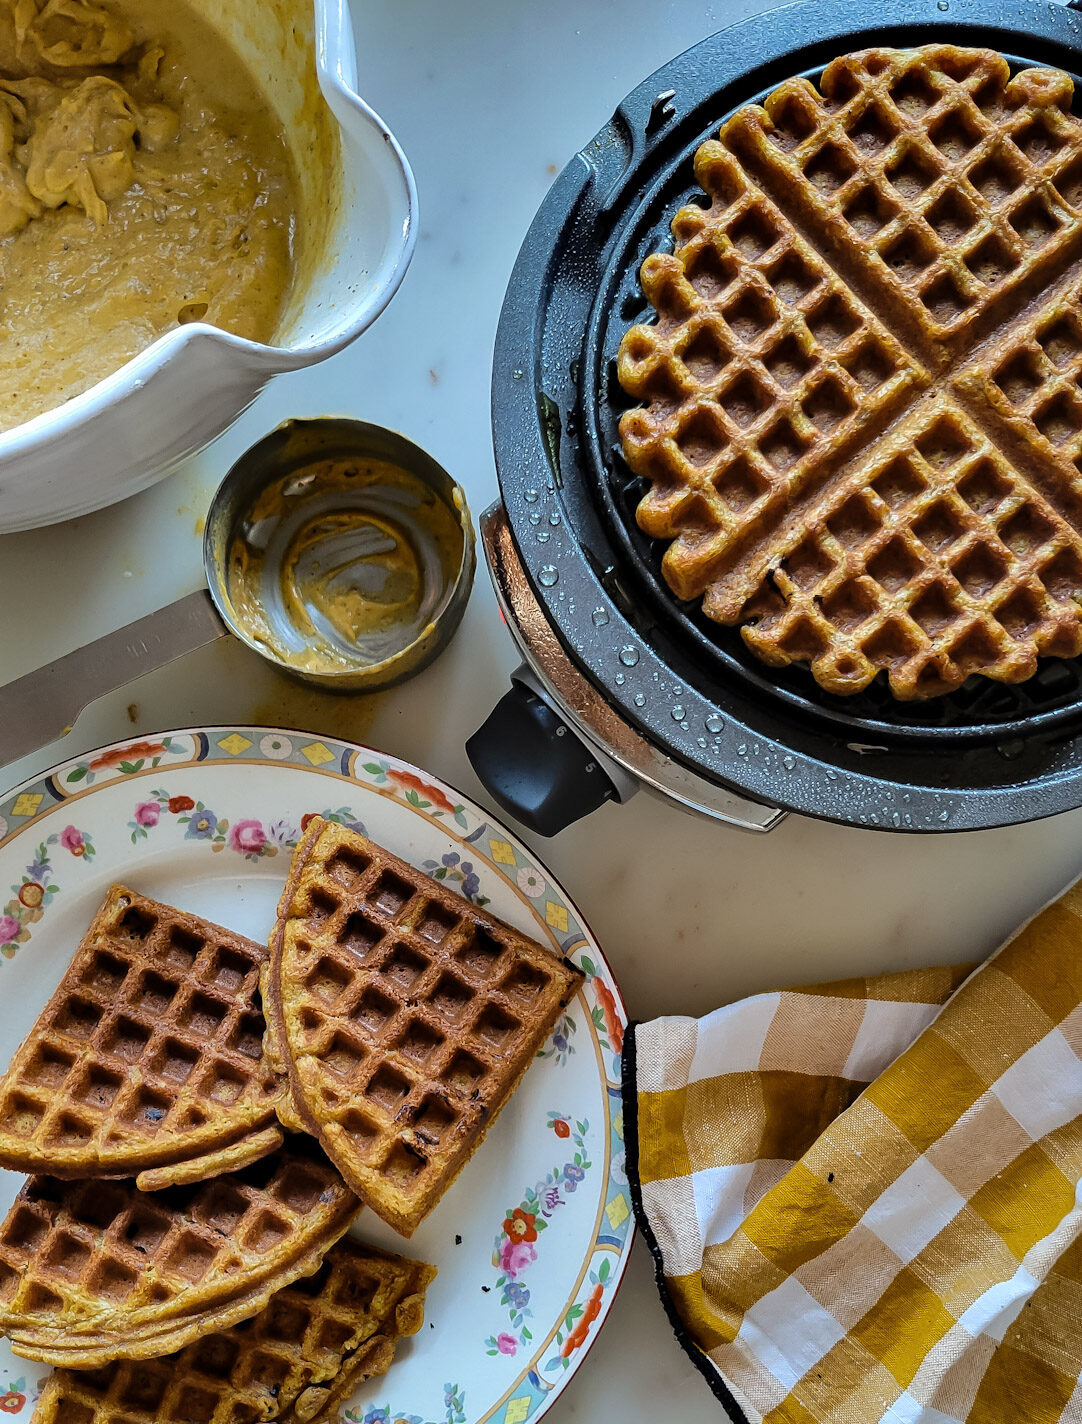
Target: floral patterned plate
533 1238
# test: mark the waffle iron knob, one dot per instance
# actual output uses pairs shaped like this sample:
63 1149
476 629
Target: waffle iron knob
535 766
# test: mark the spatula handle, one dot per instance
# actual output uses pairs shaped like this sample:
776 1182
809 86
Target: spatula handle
43 705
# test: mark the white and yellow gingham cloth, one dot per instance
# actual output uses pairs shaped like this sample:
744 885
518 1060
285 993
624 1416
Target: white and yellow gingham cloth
864 1198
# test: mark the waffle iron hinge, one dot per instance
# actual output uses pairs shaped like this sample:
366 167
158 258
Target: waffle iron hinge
555 748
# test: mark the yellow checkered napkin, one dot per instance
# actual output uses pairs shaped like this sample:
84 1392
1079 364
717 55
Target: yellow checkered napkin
864 1198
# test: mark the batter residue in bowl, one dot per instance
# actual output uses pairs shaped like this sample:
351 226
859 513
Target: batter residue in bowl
344 564
144 181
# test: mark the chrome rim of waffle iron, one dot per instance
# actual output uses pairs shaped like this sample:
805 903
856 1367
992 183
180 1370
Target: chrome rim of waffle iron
809 423
194 1188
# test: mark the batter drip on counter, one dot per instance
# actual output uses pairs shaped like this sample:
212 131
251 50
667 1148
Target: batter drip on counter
343 564
144 182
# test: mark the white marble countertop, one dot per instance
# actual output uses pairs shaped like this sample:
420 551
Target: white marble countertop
489 100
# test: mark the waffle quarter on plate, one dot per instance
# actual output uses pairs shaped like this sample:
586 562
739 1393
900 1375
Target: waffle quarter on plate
402 1014
859 429
148 1058
298 1360
96 1271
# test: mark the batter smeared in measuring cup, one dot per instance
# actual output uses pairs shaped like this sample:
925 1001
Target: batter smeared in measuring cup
344 564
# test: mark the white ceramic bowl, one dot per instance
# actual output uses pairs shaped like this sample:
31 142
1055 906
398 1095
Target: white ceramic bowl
171 400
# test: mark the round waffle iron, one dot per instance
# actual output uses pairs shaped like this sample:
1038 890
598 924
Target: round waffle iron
712 714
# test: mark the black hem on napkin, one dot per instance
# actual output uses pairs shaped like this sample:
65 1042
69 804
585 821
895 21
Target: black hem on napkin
702 1363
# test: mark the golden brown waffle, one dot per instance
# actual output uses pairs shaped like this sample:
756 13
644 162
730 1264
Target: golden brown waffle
861 428
94 1271
297 1360
404 1016
149 1056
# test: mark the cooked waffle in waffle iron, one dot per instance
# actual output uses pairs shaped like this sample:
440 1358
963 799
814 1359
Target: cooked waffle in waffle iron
296 1361
403 1015
148 1058
862 428
95 1271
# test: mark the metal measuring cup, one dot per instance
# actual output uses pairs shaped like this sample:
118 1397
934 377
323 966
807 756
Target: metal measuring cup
43 705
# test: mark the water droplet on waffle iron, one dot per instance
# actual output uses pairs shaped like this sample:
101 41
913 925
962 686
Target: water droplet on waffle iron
543 536
548 575
600 617
640 699
620 679
678 713
629 655
554 519
715 723
788 763
530 496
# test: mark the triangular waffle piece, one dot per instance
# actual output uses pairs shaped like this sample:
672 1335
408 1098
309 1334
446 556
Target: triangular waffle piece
91 1271
861 429
938 480
148 1057
296 1361
404 1016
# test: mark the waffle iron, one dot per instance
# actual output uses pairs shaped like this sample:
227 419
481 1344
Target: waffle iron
622 685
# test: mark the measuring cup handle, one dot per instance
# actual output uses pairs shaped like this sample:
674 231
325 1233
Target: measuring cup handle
43 705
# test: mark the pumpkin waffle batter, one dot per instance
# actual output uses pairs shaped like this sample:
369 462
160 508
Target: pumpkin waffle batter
297 1360
862 435
92 1272
403 1015
148 1059
145 183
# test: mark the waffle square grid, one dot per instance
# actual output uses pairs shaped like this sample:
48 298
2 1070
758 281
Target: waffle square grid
864 278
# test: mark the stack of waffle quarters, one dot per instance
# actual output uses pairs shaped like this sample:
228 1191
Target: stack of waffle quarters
861 429
94 1271
167 1206
402 1017
298 1360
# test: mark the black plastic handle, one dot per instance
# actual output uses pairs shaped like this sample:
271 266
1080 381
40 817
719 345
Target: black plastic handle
535 766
